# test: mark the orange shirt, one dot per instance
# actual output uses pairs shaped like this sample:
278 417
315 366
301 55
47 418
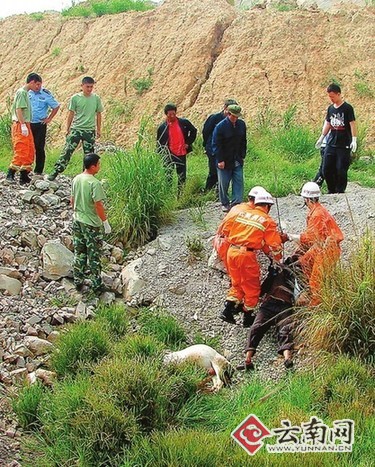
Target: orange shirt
176 140
226 224
254 228
321 226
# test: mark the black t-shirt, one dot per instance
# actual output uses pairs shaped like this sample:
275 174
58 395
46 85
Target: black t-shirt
339 118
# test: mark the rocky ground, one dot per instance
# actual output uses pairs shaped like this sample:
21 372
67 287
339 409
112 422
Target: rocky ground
36 293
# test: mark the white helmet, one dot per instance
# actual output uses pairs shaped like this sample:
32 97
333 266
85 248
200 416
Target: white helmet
263 197
310 190
255 190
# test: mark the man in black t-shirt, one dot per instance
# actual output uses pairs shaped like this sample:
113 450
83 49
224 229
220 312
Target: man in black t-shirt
340 122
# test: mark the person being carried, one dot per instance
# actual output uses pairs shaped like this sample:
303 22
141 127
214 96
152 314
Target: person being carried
319 245
175 138
83 124
42 101
22 137
229 145
340 122
89 218
207 132
252 230
276 309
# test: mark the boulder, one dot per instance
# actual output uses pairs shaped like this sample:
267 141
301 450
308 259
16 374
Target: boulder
38 346
131 280
10 285
57 261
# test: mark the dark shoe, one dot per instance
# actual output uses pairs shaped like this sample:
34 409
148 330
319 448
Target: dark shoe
227 314
10 175
288 364
79 287
246 366
225 208
24 177
52 176
248 319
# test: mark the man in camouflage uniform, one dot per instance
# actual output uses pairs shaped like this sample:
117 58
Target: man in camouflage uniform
89 218
83 124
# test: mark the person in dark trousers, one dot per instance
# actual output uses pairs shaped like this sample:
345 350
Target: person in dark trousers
319 177
42 101
229 146
276 310
175 137
340 122
207 132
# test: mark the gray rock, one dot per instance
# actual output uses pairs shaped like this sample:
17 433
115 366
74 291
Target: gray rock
28 196
29 239
10 285
38 346
50 200
10 272
57 261
41 185
131 280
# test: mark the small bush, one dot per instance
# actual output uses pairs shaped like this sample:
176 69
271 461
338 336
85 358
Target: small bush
83 344
142 85
106 7
163 327
344 322
136 346
56 51
114 319
38 16
26 405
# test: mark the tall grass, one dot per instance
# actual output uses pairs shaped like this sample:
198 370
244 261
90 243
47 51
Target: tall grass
345 320
6 126
106 7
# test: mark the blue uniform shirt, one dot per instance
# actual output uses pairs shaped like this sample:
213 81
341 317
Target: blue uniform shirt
41 101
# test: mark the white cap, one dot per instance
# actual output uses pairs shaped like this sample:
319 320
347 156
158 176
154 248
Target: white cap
255 190
263 197
310 190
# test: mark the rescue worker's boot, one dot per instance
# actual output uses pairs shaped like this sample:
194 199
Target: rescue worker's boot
227 313
10 175
248 317
24 177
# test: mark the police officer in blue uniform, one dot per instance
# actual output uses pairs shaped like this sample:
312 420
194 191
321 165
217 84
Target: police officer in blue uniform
42 101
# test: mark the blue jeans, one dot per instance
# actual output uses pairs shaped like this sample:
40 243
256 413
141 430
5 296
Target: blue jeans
225 176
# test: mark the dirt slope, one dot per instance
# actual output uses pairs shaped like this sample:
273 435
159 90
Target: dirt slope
197 52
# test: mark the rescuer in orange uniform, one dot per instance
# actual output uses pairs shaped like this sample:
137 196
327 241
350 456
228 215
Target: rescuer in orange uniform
220 242
319 243
252 230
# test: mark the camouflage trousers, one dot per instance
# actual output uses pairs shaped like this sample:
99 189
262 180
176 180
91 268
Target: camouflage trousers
87 241
72 141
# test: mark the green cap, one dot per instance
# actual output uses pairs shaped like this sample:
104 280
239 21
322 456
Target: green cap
230 102
234 110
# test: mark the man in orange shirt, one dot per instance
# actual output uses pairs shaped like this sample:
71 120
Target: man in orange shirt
319 243
252 230
175 137
221 243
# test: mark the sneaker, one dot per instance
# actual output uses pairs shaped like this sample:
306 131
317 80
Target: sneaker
288 364
248 319
24 178
225 208
51 177
10 175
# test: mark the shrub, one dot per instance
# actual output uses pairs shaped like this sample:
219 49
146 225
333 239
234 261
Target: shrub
163 327
83 344
106 7
142 85
114 319
26 405
344 322
136 346
139 193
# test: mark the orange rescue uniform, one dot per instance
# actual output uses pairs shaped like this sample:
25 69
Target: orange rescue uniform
23 148
252 229
320 244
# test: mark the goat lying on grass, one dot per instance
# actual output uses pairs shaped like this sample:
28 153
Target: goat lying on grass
206 357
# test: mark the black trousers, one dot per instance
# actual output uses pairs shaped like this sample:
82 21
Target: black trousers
335 168
39 131
179 162
211 181
319 177
272 313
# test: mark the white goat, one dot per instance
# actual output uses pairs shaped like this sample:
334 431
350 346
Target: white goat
206 357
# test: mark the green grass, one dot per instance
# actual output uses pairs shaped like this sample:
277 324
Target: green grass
106 7
344 321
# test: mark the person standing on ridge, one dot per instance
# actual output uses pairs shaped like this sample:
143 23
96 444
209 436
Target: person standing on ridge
207 132
41 101
229 146
89 218
83 124
22 137
342 138
175 137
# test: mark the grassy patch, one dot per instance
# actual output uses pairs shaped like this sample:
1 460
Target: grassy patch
106 7
26 405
